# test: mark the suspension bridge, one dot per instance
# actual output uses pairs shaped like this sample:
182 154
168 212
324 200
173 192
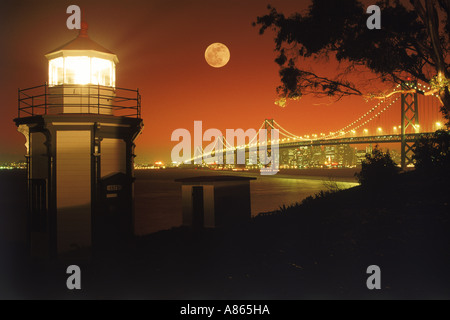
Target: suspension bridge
394 119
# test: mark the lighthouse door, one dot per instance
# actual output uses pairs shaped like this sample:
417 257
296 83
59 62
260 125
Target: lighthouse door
113 219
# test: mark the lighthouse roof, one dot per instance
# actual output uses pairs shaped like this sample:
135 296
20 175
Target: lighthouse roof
82 43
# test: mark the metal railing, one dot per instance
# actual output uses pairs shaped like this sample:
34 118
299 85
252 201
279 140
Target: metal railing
78 99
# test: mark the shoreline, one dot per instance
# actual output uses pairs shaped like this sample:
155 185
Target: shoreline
338 175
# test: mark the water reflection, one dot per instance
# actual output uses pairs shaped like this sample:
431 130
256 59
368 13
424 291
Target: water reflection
158 197
268 194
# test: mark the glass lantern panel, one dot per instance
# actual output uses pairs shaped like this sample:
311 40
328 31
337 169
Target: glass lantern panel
102 72
56 71
77 70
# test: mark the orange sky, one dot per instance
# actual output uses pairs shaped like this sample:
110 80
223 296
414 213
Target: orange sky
160 45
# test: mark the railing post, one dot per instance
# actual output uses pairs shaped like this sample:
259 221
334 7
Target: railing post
98 100
138 103
89 98
18 103
45 97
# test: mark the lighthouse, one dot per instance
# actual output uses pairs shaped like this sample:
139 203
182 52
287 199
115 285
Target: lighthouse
80 130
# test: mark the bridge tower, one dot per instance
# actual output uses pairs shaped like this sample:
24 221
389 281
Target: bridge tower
268 125
220 151
410 120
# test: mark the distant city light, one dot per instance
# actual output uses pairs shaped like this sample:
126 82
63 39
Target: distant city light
13 165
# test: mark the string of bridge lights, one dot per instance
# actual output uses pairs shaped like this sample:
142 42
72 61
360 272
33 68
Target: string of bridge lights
363 117
351 125
343 130
427 88
290 136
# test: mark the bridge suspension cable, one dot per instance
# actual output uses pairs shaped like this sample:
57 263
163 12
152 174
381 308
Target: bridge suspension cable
374 113
352 126
289 134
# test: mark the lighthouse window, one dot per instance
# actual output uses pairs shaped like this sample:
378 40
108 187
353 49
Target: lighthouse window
78 70
102 72
81 70
56 71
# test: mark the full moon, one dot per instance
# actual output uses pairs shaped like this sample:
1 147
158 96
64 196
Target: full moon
217 55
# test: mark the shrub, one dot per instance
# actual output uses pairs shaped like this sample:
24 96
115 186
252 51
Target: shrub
377 169
433 154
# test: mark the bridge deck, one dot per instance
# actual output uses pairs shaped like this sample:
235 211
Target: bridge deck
392 138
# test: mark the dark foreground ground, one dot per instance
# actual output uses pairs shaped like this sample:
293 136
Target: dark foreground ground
320 249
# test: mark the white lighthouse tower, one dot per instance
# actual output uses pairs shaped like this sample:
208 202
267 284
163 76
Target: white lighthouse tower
80 130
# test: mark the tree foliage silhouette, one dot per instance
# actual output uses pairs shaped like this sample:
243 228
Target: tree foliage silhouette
433 155
377 169
413 42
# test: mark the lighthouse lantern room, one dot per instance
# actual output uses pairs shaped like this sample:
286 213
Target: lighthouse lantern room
80 131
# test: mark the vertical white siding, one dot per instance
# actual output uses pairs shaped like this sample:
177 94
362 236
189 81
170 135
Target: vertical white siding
113 157
39 159
73 196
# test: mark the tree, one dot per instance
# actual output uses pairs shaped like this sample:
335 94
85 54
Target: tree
433 154
413 42
377 169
